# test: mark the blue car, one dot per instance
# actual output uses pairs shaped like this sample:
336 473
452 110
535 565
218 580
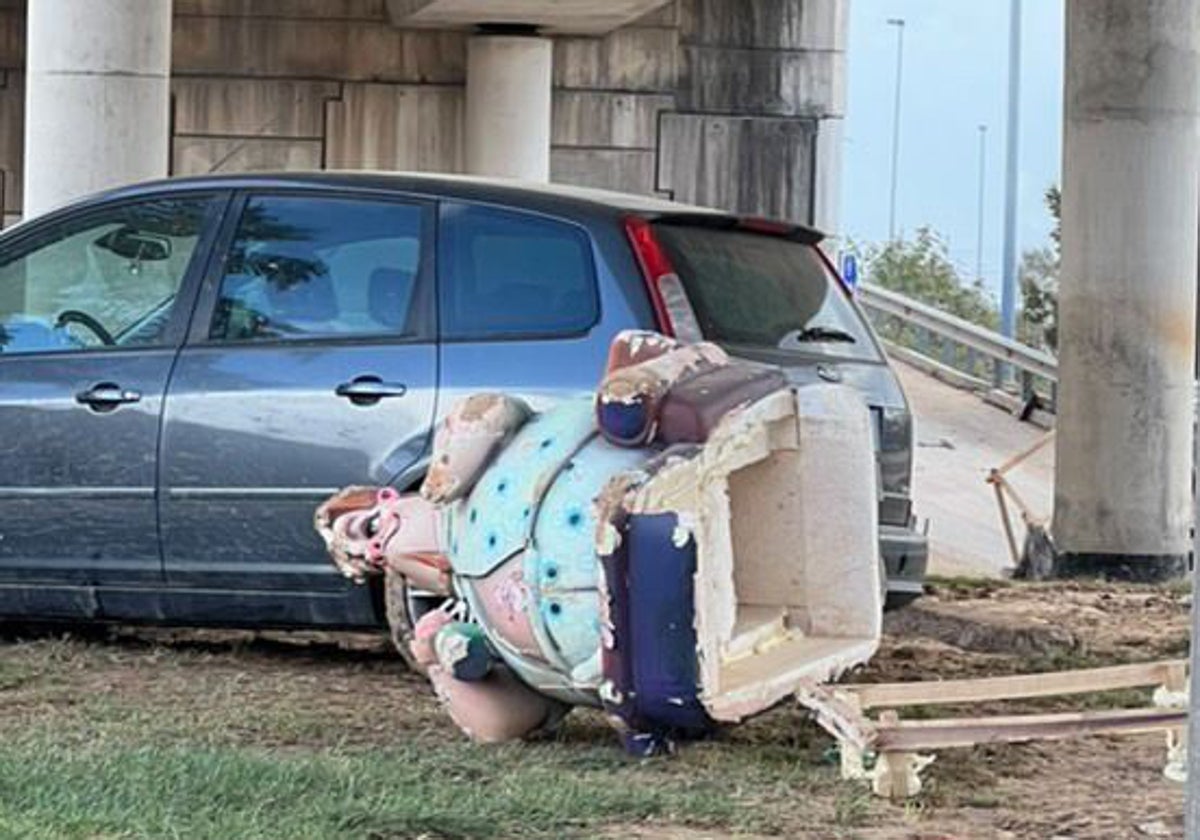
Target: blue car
189 367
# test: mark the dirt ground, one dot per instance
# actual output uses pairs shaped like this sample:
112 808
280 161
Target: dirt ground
352 691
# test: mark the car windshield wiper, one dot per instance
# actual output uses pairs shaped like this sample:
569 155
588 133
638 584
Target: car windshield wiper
818 334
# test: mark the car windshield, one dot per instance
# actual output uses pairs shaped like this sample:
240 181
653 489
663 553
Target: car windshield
765 292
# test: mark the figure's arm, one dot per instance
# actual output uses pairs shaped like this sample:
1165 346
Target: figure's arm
467 441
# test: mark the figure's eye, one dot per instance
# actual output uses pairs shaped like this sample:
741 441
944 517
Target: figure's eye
371 526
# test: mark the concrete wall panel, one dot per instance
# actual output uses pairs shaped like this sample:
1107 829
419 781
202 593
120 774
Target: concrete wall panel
751 81
629 171
668 16
393 127
251 107
12 38
756 166
624 120
204 155
765 24
12 140
315 49
641 59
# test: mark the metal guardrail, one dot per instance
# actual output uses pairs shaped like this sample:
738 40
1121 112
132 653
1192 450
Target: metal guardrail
955 346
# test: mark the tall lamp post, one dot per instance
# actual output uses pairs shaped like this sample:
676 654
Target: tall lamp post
1008 297
899 24
982 195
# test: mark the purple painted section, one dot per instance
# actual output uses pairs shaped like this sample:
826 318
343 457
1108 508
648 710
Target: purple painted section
653 663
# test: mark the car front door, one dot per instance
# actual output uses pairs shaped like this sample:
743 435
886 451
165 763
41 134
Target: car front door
312 365
93 307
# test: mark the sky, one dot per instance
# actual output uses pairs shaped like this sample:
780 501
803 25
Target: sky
955 79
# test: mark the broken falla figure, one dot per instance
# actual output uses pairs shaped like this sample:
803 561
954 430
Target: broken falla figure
691 546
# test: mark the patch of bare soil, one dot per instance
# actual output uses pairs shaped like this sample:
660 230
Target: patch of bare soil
310 691
1089 788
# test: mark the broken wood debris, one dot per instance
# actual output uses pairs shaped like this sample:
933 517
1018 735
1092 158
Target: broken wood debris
902 748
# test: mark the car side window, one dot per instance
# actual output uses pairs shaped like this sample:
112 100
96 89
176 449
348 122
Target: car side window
107 278
506 274
305 267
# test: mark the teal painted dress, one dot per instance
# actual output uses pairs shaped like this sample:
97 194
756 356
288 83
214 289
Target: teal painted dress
537 502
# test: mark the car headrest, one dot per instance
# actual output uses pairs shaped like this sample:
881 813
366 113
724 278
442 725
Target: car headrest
388 293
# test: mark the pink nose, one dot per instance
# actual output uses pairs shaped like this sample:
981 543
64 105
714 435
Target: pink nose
388 494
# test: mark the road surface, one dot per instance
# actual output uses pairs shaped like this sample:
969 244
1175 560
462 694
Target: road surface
960 438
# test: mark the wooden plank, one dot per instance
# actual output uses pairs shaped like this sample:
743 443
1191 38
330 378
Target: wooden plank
1012 688
1023 456
916 736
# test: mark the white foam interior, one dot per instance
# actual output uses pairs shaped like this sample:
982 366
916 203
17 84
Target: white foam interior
783 506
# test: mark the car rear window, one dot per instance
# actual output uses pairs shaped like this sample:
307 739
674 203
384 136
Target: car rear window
762 291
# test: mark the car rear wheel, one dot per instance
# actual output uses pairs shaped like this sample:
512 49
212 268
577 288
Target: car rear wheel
402 616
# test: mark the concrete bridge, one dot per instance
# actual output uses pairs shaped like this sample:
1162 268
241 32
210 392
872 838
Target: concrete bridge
721 102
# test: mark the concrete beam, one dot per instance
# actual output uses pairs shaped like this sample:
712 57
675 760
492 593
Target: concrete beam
580 17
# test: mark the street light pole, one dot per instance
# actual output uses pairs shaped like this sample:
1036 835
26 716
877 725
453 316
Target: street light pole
1008 297
899 24
983 132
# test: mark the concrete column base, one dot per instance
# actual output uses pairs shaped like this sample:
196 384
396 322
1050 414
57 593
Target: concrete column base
1122 567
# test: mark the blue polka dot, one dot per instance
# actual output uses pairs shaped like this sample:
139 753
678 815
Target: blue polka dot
547 443
575 519
474 516
551 572
502 487
492 540
556 609
528 513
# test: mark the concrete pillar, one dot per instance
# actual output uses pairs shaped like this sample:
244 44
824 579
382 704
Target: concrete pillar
831 140
509 79
1128 289
97 97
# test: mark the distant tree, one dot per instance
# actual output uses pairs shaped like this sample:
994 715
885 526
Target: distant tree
1039 273
921 269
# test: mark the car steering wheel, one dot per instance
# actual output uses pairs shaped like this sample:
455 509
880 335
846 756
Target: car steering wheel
74 316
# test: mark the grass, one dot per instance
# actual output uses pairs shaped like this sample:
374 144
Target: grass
194 735
136 741
51 791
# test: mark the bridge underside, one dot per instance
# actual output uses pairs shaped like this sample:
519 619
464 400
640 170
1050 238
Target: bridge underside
579 17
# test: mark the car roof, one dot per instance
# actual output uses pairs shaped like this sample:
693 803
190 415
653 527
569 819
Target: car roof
541 197
470 187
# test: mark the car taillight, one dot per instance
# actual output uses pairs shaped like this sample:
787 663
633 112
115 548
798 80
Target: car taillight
668 296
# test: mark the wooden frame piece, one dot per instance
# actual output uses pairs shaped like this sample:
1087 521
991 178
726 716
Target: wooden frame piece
899 746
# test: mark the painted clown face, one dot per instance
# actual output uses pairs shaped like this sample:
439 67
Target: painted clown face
368 530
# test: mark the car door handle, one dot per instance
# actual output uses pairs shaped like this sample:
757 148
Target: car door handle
368 390
107 396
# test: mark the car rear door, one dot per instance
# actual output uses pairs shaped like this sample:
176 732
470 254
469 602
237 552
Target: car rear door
311 365
93 306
